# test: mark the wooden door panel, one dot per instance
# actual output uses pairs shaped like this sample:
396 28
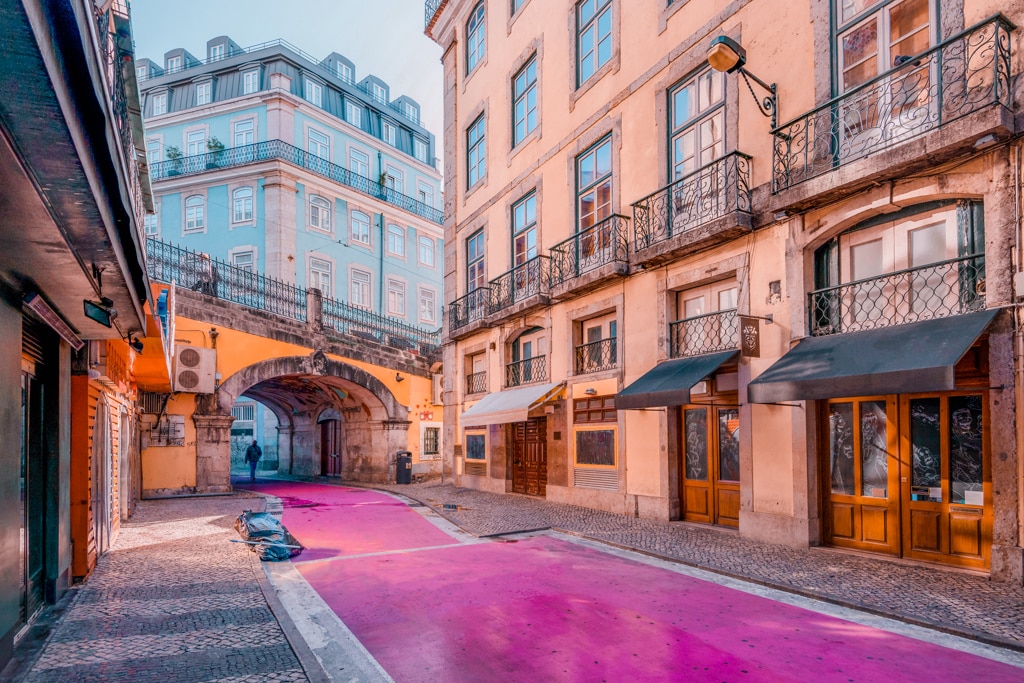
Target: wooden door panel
925 531
874 525
842 521
965 533
728 505
696 503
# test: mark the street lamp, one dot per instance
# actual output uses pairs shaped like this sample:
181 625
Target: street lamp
726 55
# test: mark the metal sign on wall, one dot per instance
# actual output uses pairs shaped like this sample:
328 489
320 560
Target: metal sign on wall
750 337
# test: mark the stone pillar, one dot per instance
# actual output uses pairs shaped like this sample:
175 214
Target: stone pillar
284 448
213 453
315 310
279 207
305 449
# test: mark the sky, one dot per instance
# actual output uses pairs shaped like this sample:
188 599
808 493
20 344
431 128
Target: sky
382 37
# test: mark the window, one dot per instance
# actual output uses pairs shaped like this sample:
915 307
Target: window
318 144
359 163
396 297
194 209
476 373
152 225
594 37
410 112
195 142
524 101
244 132
594 184
869 44
380 93
359 289
250 82
596 435
314 93
345 72
476 446
244 411
427 306
431 440
524 229
425 193
394 179
360 227
320 275
426 251
419 149
396 240
354 114
204 93
475 39
476 152
159 104
142 73
241 203
475 276
153 150
244 260
319 213
516 4
388 134
697 120
598 350
706 320
217 52
173 64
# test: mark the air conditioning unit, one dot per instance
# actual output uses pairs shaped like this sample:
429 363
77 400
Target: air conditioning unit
195 369
437 390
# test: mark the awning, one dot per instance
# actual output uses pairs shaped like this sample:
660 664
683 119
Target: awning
669 383
892 360
512 405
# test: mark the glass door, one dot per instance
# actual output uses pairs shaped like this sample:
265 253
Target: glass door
711 465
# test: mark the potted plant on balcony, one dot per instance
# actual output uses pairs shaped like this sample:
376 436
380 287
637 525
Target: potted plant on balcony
173 155
216 151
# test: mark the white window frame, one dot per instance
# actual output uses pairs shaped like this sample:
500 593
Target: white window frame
195 142
204 93
396 304
354 114
154 149
420 149
159 103
151 225
394 179
427 304
243 132
324 146
362 236
323 269
250 81
380 93
359 162
396 240
360 289
243 201
426 251
388 133
320 211
195 213
344 72
174 63
141 72
237 259
218 52
313 92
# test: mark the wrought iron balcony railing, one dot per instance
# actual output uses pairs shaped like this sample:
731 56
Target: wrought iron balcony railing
597 356
939 290
359 322
712 191
525 280
469 308
957 77
706 333
476 382
589 249
430 9
270 150
526 371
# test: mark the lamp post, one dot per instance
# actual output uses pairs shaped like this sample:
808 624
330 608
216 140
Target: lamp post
726 55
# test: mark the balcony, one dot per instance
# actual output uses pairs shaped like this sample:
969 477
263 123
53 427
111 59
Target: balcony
519 290
700 210
431 8
589 258
276 150
961 86
939 290
468 314
476 382
597 356
526 371
703 334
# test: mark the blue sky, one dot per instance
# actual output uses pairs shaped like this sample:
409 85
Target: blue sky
383 37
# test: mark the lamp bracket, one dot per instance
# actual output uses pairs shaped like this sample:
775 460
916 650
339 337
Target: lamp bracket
767 105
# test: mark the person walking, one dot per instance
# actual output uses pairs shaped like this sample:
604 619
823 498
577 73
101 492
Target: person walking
252 456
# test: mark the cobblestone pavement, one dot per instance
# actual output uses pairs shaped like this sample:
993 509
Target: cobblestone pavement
172 601
952 601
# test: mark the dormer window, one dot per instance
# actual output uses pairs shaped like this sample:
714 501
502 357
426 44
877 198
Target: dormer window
204 93
314 93
345 72
379 93
174 64
217 52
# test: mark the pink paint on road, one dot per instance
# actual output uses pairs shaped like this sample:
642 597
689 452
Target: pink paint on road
337 521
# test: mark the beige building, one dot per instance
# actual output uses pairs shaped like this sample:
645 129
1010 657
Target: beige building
785 303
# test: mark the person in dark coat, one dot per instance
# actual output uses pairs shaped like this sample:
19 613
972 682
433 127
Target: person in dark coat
252 456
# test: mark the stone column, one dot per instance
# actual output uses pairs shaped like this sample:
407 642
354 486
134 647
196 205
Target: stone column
305 449
279 207
284 448
315 310
213 453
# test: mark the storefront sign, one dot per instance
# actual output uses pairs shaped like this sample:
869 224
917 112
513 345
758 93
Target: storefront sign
750 337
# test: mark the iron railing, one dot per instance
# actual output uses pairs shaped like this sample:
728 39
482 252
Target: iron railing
213 277
526 371
525 280
957 77
589 249
270 150
597 356
712 191
476 382
939 290
430 8
708 333
359 322
469 308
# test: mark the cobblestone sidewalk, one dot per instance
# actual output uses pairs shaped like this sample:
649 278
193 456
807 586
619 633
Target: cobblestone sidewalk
172 601
956 602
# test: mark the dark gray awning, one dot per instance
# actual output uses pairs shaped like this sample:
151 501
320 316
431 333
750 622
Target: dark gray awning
891 360
669 383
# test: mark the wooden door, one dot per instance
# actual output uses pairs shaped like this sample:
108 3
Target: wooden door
947 479
330 448
861 476
529 457
711 463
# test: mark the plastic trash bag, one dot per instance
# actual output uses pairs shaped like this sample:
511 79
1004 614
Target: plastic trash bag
266 536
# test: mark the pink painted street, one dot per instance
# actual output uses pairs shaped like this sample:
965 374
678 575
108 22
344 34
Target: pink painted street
545 607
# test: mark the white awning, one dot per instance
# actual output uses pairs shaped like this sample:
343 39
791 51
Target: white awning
513 405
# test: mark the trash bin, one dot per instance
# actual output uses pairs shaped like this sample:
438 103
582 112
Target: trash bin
403 467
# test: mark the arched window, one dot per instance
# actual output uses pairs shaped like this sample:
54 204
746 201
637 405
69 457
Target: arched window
360 227
241 205
195 209
319 213
475 42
